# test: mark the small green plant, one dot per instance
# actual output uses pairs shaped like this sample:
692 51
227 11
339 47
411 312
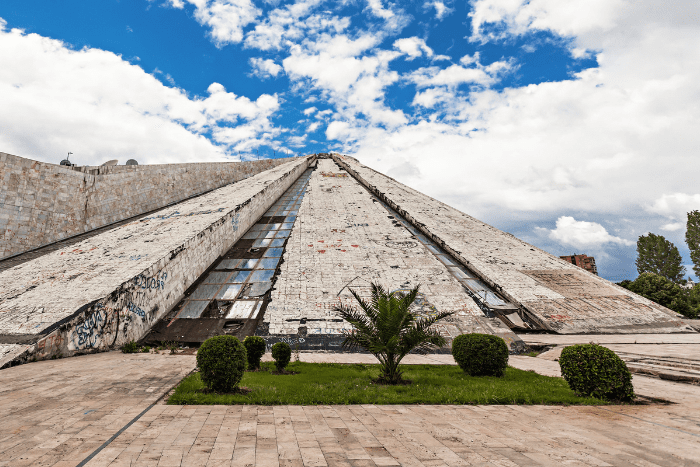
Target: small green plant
480 354
255 347
130 347
386 328
145 349
592 370
282 353
222 362
296 351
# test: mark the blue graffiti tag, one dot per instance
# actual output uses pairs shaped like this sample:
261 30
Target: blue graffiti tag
136 310
151 283
234 221
88 333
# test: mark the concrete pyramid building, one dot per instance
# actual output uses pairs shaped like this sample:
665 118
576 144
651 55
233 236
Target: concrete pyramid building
267 248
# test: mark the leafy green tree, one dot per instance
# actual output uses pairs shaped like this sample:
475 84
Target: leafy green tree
387 329
664 292
657 255
694 302
692 238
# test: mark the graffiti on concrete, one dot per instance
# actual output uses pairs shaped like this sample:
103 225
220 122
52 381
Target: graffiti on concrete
151 283
49 345
136 310
235 222
87 334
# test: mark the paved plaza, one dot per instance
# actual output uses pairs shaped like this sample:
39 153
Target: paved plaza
107 409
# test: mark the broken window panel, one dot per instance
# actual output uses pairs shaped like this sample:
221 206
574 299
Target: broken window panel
228 264
205 292
193 308
229 291
217 277
240 277
262 275
268 263
248 264
273 253
241 309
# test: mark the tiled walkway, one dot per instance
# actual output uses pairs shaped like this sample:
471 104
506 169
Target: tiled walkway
56 413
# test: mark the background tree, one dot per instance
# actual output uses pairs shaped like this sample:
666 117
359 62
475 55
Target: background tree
692 238
657 255
664 292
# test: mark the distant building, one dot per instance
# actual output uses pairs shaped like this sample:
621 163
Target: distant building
582 261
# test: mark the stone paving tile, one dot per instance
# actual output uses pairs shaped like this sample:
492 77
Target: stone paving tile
416 435
58 412
62 410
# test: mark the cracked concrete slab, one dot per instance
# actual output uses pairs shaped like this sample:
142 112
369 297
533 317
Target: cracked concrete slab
110 288
555 295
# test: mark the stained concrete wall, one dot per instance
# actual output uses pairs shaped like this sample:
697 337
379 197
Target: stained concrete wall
42 203
111 288
556 295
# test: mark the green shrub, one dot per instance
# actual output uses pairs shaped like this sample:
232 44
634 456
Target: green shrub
282 353
222 362
480 354
255 348
595 371
130 347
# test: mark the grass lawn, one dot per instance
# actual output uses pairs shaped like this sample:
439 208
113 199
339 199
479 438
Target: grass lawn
331 383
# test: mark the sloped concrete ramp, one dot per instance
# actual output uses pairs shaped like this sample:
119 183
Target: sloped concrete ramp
111 288
554 295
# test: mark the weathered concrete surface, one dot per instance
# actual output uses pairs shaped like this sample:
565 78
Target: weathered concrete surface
109 289
41 203
605 339
344 239
552 293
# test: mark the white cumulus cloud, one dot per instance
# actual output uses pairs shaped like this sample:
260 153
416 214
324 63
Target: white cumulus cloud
98 106
414 47
264 68
675 206
225 18
583 234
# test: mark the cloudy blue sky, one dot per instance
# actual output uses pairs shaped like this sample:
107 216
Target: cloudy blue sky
574 125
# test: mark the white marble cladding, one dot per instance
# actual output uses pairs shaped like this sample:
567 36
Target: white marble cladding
42 203
343 238
111 288
558 295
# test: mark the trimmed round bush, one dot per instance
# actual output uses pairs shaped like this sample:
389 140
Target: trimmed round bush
480 354
592 370
255 348
222 362
282 353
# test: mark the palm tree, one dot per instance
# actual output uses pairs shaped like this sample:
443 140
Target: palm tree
387 329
